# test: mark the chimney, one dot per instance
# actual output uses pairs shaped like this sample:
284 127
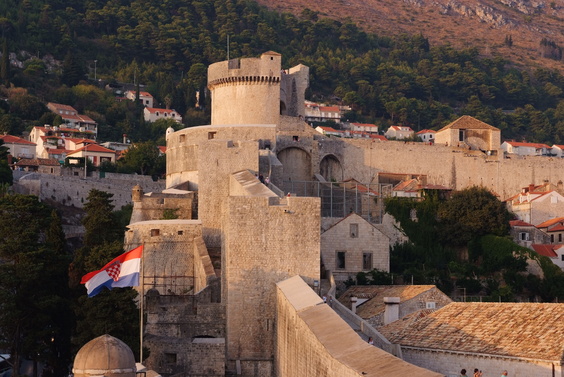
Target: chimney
391 312
125 138
531 187
354 301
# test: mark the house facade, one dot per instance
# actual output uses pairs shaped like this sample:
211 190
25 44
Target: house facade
18 147
97 154
152 114
144 97
426 136
353 245
470 133
364 128
329 131
525 149
536 204
399 132
315 112
525 234
73 120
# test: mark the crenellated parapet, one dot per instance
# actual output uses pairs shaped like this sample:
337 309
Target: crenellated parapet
245 80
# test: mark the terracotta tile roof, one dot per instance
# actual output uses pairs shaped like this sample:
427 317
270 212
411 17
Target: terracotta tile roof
15 140
532 145
162 149
37 162
379 137
56 151
513 223
557 228
546 249
93 148
60 106
426 132
558 146
468 122
328 129
155 109
401 128
376 293
527 330
333 109
550 222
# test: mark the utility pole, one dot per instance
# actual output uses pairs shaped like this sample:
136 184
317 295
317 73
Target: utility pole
95 61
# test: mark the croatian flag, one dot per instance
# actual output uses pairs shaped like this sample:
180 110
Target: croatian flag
123 271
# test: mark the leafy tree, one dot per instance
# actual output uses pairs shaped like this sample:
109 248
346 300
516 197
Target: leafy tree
34 321
472 213
143 158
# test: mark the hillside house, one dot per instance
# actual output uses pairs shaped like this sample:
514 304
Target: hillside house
18 147
144 97
364 128
416 188
52 137
315 112
426 136
399 132
329 131
152 114
557 150
536 204
491 336
353 245
97 154
554 228
554 252
40 165
525 149
73 120
525 234
367 301
469 133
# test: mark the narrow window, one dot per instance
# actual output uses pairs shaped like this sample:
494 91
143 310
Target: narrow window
155 232
182 138
211 135
552 238
340 260
354 230
430 305
180 232
367 261
170 358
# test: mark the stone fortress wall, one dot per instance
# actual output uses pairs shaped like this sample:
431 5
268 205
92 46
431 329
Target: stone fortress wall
314 341
266 239
73 190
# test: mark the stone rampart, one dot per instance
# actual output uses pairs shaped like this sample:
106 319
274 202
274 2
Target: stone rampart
73 191
265 239
448 166
312 340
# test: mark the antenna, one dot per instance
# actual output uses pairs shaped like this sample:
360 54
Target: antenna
227 46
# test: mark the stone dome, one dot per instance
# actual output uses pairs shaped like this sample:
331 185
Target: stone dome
104 356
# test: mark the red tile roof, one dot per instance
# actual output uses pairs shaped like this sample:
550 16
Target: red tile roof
15 140
364 125
155 109
468 122
379 137
550 222
93 148
532 145
333 109
426 132
546 249
519 223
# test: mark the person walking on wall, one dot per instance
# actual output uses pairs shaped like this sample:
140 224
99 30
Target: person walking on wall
477 373
463 373
504 373
371 341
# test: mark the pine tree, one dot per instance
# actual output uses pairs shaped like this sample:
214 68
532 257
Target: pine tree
5 64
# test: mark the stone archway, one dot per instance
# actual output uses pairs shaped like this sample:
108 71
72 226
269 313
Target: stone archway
296 163
330 168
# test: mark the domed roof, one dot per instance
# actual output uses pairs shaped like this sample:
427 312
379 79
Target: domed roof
104 355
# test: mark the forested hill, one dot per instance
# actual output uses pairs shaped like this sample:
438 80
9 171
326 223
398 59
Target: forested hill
167 45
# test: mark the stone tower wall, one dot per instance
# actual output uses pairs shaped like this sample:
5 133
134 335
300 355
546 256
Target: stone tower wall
246 91
184 149
266 239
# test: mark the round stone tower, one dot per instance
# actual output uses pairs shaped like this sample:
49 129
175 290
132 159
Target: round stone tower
137 193
246 91
104 356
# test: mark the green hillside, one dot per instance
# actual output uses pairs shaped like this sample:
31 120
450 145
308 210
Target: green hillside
167 45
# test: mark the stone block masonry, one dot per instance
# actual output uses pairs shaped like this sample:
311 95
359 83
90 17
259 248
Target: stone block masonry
73 191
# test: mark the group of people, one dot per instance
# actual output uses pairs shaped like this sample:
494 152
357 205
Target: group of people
478 373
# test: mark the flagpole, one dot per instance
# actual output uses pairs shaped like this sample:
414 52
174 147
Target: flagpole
141 306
